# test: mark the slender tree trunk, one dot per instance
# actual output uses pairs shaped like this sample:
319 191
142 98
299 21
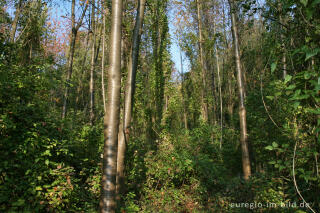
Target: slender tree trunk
219 86
283 45
129 95
317 164
203 70
94 31
74 31
185 116
214 95
15 21
230 74
103 60
112 117
242 110
231 97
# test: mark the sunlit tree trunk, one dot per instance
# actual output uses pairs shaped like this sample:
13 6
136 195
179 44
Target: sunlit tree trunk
204 109
129 95
103 59
214 93
242 110
93 51
283 45
74 31
230 74
185 116
112 117
219 86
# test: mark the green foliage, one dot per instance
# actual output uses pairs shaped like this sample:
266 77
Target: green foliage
44 165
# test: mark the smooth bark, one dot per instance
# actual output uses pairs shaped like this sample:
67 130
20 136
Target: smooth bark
103 61
242 109
92 65
129 95
112 117
283 45
219 86
185 116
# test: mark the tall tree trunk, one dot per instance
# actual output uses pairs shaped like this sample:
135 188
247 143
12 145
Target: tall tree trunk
158 39
230 75
112 117
129 95
231 103
214 94
282 38
15 21
74 31
204 103
94 31
219 86
242 110
103 60
185 116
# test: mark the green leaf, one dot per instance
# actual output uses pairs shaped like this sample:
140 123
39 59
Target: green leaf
296 104
269 148
311 53
315 2
47 162
277 94
274 144
287 78
314 111
273 67
291 86
307 75
304 2
270 97
38 188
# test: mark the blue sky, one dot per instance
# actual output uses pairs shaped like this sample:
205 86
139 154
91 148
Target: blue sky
175 50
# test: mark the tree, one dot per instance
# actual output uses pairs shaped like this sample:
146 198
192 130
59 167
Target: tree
112 116
93 57
246 167
129 94
204 108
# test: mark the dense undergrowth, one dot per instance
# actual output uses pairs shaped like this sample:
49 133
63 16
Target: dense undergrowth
187 173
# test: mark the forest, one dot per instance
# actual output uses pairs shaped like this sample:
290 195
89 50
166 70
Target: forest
182 106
